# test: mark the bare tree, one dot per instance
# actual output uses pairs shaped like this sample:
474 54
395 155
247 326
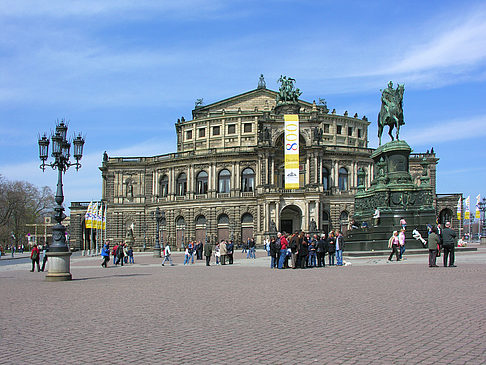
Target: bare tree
21 203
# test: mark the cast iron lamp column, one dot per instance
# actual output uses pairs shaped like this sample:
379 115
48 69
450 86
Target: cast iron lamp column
159 217
59 254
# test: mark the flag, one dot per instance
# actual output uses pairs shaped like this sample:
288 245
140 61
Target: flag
104 220
99 217
459 208
468 208
478 212
88 220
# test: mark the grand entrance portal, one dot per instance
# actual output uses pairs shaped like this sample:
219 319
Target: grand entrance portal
290 219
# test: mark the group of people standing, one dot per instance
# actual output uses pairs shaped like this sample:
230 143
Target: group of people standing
441 238
35 256
304 251
223 252
193 248
438 239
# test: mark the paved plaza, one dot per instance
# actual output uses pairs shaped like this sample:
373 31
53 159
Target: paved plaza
369 311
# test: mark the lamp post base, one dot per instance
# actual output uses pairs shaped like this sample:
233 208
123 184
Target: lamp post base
59 268
157 252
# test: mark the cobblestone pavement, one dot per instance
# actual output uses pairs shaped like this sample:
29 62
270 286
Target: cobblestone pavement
367 312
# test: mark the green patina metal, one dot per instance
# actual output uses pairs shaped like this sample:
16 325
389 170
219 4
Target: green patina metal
392 191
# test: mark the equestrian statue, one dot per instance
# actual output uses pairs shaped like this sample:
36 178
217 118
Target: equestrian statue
391 113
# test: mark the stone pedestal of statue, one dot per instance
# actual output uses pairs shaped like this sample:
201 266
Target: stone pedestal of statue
395 195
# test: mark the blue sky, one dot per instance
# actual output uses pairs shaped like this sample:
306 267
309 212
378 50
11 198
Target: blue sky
123 71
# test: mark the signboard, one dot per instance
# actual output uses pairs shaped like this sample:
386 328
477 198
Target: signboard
291 151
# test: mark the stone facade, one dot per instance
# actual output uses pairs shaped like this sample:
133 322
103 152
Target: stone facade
226 178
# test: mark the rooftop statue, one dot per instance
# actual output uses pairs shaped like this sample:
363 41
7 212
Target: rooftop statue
261 83
391 113
287 94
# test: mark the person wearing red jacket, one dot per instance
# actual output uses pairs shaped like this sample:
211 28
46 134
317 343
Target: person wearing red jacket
35 256
283 250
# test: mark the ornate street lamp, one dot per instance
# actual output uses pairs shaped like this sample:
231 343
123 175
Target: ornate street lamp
59 254
159 216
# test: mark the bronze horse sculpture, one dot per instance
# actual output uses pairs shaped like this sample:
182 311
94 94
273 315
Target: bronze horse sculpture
391 113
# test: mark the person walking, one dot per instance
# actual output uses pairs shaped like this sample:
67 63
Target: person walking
401 239
394 244
105 254
223 252
208 252
35 256
449 242
433 244
167 256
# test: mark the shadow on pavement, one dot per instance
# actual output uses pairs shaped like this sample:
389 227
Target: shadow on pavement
110 276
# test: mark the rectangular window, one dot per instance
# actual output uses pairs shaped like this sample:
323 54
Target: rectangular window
359 133
231 128
350 131
202 132
326 128
339 129
188 134
247 127
216 130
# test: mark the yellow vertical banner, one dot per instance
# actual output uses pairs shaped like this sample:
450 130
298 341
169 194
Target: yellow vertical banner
478 212
291 151
104 220
88 218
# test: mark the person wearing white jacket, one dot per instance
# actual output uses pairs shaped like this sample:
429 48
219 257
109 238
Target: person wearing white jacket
167 256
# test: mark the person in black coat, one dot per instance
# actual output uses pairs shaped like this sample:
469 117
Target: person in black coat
449 242
119 254
321 251
303 252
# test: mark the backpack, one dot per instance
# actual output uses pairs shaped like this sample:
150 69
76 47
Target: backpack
277 245
35 254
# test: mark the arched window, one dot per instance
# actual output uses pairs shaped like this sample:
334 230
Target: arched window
202 183
224 181
343 179
248 180
200 220
223 219
325 178
343 221
164 186
361 177
181 184
180 222
247 218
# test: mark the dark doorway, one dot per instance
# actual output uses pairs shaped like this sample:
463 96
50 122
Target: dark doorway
286 225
